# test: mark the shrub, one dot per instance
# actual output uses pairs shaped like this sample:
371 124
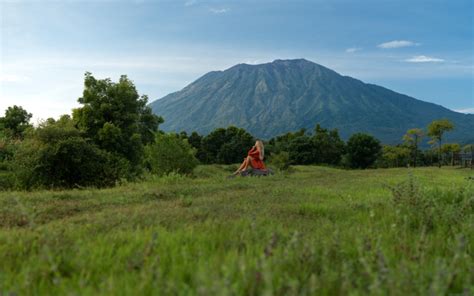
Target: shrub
362 151
7 148
394 156
15 122
55 155
301 150
225 145
328 146
281 161
7 180
169 154
323 147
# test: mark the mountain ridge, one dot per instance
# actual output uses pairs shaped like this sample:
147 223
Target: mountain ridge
285 95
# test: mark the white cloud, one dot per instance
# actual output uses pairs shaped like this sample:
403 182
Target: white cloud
253 62
190 3
397 44
353 49
219 10
465 110
424 59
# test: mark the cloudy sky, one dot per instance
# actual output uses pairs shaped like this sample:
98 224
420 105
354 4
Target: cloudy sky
422 48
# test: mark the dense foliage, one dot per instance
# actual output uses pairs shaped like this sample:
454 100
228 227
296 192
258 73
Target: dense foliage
323 147
102 143
394 156
362 150
223 145
170 153
280 160
412 140
15 122
56 155
436 131
116 118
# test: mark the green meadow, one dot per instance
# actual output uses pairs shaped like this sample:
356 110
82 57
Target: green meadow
314 231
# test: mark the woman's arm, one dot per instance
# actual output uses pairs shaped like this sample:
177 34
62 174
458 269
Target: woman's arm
260 156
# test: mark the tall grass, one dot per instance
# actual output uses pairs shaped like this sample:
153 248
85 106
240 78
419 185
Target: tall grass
317 231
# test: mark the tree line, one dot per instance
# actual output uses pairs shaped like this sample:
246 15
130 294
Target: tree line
114 136
324 146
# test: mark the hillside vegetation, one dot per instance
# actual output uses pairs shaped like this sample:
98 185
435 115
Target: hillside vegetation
316 231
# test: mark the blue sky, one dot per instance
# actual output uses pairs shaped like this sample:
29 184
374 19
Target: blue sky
422 48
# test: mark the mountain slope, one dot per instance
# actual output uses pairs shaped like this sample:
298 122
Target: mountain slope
286 95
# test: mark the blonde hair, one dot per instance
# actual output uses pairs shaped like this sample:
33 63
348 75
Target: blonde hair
259 143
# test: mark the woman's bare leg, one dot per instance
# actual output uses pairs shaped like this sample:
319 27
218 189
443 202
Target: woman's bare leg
243 166
247 163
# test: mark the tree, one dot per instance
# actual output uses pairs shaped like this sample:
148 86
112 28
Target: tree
281 161
281 143
436 130
301 150
395 156
225 145
15 122
449 150
412 138
183 135
56 155
116 118
328 146
362 150
170 153
195 140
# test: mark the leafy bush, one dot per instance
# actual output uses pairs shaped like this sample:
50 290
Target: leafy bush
328 146
281 161
170 154
323 147
301 150
225 145
362 151
394 156
55 155
7 148
7 180
15 122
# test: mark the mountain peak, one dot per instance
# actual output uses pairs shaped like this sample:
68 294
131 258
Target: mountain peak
292 61
307 68
288 94
286 62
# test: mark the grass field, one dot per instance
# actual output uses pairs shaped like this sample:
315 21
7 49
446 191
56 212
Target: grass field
317 231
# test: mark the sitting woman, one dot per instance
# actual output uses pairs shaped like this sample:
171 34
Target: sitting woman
254 159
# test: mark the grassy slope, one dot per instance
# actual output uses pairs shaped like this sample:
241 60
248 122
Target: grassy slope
318 230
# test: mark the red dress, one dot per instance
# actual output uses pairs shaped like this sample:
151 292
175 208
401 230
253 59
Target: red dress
255 160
